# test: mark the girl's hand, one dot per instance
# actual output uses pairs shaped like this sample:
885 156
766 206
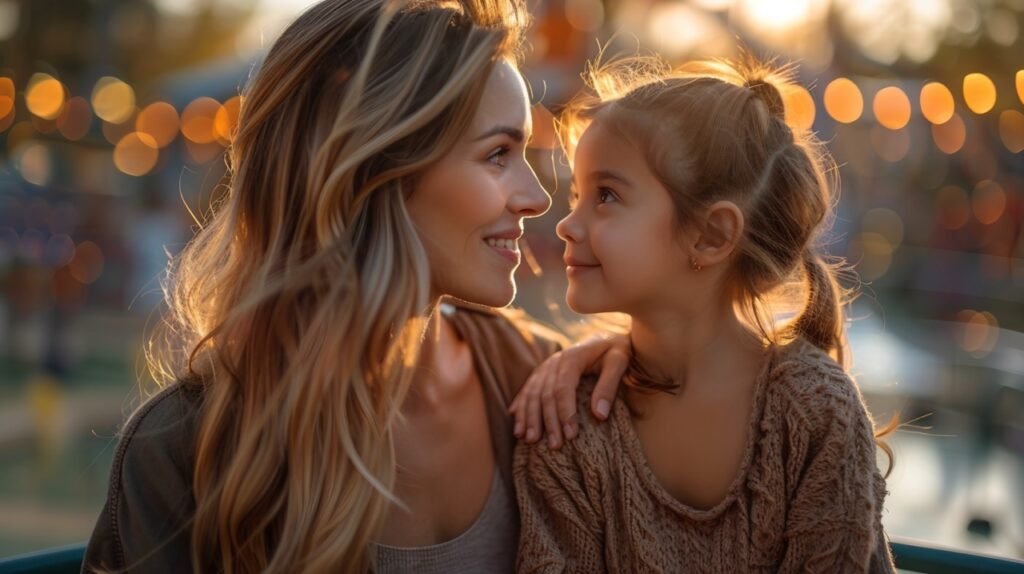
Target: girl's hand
547 402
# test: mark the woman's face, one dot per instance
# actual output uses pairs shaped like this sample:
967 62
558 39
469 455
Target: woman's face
623 250
469 207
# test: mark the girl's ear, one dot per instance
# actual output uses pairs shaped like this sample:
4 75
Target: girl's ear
720 234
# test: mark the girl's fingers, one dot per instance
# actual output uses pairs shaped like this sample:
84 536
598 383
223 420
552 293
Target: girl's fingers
613 366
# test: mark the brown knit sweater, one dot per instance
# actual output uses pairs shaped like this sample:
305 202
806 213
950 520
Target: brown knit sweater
807 498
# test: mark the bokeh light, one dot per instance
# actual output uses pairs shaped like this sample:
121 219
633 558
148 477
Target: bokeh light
1019 80
113 100
979 93
585 15
34 162
113 132
87 264
843 100
198 121
159 121
76 120
884 222
950 136
872 254
6 96
225 122
988 202
1011 130
979 332
892 108
890 145
937 103
45 96
136 154
800 109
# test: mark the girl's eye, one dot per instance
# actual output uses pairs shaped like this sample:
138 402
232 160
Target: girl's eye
605 195
497 157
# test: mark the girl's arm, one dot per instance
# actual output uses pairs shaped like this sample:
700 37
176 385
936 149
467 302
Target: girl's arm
546 405
834 522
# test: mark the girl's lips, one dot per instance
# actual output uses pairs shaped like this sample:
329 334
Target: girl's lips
577 270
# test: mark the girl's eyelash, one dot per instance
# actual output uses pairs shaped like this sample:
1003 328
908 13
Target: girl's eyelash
602 192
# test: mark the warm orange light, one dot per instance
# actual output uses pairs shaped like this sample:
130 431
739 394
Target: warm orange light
226 120
45 96
114 132
76 120
937 103
87 264
136 154
113 100
988 202
843 101
6 96
1020 85
979 332
159 120
198 120
800 109
892 108
950 136
1011 130
979 93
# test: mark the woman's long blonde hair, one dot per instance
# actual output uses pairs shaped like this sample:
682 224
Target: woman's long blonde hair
299 306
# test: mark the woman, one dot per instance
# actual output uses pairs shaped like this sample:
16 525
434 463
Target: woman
378 170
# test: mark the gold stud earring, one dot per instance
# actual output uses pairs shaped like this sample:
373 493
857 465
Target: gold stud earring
693 263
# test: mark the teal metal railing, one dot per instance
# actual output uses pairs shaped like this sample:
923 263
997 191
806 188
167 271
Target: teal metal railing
911 556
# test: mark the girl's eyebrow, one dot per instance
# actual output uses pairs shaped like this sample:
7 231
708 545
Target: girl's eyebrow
607 174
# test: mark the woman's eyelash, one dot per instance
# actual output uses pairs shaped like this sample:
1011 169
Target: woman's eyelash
498 154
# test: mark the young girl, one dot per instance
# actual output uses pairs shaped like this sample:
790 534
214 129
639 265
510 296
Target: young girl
741 444
378 174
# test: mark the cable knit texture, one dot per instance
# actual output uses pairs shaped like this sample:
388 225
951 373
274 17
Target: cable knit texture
807 498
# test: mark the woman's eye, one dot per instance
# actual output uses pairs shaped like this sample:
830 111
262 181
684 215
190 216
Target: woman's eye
498 156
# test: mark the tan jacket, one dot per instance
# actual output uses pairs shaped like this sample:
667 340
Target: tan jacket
145 522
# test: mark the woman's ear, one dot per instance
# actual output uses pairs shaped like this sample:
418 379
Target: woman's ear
720 234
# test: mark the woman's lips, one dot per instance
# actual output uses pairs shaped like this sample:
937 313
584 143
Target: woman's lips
506 248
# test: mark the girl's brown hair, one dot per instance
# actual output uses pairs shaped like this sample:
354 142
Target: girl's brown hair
299 306
716 130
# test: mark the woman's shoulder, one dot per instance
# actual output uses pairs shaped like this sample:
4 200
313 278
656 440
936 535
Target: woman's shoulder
162 429
508 329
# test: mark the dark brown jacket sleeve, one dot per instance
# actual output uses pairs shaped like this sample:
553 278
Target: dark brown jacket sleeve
145 524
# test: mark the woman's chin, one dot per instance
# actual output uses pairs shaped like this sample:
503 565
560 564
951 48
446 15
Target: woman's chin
500 294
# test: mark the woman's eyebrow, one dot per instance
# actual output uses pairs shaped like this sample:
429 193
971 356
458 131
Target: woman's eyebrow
514 133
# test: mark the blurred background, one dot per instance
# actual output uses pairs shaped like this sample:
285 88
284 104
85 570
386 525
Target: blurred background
114 117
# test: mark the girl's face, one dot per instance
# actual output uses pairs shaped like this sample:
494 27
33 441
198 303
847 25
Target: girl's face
469 207
623 248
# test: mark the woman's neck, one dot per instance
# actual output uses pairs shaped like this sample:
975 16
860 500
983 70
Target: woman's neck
441 363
